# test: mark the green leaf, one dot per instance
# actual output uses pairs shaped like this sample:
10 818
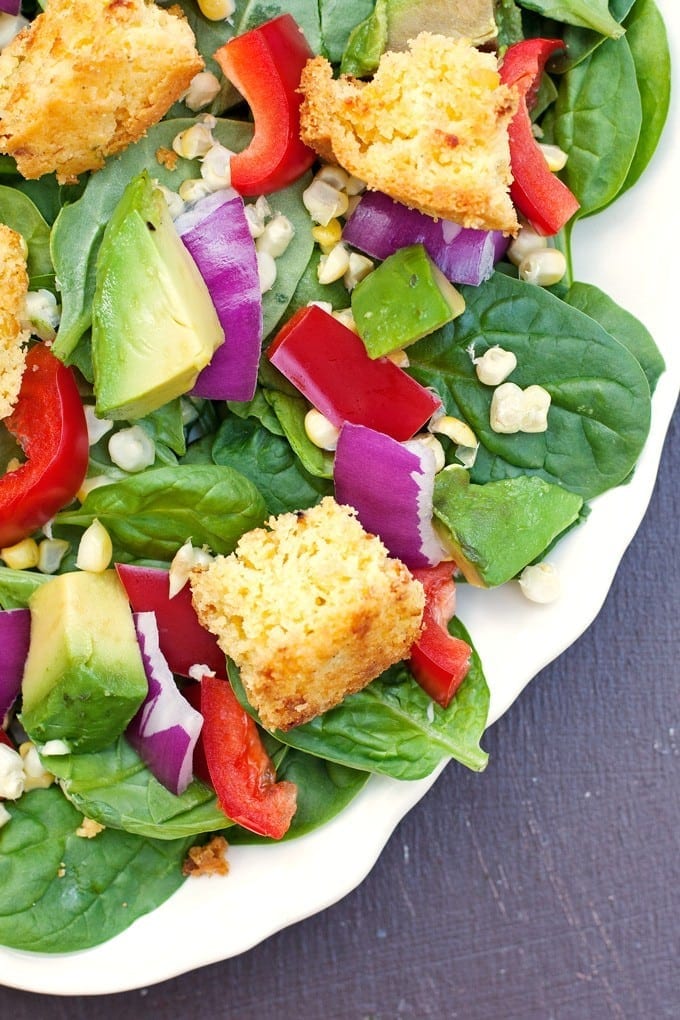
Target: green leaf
580 42
21 214
150 515
17 586
166 425
393 727
60 892
291 412
269 462
115 788
593 14
338 18
292 264
601 406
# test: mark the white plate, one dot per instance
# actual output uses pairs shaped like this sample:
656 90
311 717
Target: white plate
629 251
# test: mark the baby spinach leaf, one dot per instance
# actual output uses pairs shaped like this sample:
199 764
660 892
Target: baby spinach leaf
21 214
601 406
309 289
593 14
338 18
393 727
78 230
597 118
620 324
60 892
115 788
324 789
269 462
291 265
251 13
291 412
580 42
646 36
17 586
166 425
150 515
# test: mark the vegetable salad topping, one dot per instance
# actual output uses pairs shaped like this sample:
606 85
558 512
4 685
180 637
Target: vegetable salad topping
290 350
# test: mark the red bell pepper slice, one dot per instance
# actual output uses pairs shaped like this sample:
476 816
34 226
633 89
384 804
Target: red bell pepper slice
265 64
328 363
4 739
182 639
49 424
239 769
439 661
545 200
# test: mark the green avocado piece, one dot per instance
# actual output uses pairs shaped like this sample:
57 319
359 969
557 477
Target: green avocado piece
84 678
494 530
402 300
154 326
460 19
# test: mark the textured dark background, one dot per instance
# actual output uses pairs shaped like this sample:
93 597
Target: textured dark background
547 888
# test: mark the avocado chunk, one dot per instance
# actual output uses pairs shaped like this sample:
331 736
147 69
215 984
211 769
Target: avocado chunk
84 678
154 325
402 300
460 19
494 530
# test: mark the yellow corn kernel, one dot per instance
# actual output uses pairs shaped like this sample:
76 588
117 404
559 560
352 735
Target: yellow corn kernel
95 549
22 556
216 10
327 237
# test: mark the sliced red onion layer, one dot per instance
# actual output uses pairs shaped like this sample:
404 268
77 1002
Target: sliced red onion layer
12 7
379 226
390 484
165 730
15 631
215 232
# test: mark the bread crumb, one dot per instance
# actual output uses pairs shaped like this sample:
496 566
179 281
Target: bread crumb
13 337
311 608
209 859
430 129
167 158
87 78
89 828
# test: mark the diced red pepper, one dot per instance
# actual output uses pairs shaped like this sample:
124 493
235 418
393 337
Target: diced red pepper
239 769
49 424
182 639
328 363
542 198
265 64
4 739
439 661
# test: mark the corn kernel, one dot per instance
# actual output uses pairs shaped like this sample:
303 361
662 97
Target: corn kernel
185 559
555 157
544 267
320 431
95 549
457 431
51 552
333 266
328 236
216 10
540 582
21 556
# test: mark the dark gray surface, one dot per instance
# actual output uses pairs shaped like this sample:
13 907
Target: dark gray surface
546 889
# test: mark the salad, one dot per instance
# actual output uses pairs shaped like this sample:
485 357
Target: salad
198 469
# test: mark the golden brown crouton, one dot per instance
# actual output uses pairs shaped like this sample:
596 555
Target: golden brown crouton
86 79
13 290
207 859
311 609
430 129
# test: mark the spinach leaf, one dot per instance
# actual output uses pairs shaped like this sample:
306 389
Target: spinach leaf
166 425
251 13
338 18
115 788
292 264
580 42
597 118
508 22
646 36
17 586
20 213
60 892
291 412
393 727
309 289
150 515
366 43
620 324
324 789
593 14
78 230
601 406
269 462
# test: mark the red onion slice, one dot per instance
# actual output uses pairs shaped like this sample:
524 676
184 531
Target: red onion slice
215 232
15 631
165 729
12 7
379 226
390 484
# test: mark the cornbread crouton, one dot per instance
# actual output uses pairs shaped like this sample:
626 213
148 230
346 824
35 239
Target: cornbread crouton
208 859
311 609
13 290
87 78
430 129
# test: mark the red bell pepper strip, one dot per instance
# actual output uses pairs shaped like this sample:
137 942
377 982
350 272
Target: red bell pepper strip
4 739
328 363
49 424
182 639
542 198
265 64
240 770
439 661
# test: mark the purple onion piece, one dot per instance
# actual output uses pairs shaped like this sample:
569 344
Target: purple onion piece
379 226
15 632
12 7
216 234
165 729
391 485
